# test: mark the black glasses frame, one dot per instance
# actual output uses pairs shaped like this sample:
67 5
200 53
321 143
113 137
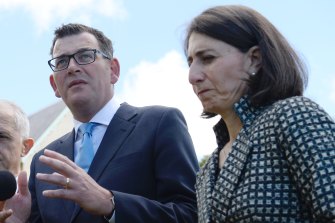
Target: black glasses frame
95 51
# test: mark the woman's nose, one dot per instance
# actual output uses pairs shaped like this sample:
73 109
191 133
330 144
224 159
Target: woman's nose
195 74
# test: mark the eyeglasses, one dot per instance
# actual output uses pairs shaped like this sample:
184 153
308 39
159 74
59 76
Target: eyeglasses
82 57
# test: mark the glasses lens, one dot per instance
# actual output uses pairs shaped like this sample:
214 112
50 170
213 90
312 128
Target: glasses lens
59 63
85 57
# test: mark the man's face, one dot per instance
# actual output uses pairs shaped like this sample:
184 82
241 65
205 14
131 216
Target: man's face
83 88
11 144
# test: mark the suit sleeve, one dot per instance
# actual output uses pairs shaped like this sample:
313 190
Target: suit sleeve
175 172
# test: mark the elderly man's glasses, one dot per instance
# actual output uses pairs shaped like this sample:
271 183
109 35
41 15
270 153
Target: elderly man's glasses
82 57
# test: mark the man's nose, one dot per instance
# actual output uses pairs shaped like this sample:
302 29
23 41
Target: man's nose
73 65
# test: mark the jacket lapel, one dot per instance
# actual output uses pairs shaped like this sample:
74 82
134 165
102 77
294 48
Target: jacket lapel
214 194
229 177
66 146
204 187
218 194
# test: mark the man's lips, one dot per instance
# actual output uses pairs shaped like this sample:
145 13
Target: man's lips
199 92
76 82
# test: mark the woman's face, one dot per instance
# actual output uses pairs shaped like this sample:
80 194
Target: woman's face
217 73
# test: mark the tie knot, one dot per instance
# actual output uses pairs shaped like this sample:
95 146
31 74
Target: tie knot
87 127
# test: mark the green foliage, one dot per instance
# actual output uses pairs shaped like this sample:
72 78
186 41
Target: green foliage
203 160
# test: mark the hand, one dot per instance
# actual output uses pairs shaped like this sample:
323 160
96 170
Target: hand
77 185
17 209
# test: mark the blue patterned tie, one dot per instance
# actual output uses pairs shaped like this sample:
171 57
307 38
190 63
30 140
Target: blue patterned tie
86 151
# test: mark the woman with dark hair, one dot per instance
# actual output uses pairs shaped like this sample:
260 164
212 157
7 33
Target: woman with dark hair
275 160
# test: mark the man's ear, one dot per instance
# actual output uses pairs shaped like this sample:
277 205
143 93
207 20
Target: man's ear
255 59
115 69
27 145
53 85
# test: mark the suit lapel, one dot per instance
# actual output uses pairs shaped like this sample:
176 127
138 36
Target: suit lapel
117 131
66 146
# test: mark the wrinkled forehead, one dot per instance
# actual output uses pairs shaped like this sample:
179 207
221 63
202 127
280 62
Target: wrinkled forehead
7 120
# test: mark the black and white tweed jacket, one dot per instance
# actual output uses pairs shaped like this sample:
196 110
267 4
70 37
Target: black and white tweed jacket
281 167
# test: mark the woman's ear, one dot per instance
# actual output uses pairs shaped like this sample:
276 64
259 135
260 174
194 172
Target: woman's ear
255 58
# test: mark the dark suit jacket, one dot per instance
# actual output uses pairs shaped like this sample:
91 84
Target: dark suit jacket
146 158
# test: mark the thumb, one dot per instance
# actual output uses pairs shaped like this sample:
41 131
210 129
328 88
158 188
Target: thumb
22 182
4 214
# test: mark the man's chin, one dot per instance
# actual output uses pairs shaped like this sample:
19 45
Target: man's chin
80 102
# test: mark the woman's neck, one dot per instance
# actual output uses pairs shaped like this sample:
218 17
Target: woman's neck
234 125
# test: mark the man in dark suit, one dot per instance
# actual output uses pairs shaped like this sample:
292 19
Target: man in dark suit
144 163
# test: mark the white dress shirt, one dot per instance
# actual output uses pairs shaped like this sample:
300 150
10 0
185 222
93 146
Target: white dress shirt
103 118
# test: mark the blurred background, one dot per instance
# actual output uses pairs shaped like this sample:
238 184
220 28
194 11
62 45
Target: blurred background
148 41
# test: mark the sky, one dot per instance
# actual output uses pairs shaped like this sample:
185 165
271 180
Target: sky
148 42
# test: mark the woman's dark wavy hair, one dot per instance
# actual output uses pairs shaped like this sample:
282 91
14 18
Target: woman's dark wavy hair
282 73
70 29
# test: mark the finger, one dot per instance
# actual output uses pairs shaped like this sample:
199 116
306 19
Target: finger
55 173
57 165
54 178
60 193
22 183
61 157
4 214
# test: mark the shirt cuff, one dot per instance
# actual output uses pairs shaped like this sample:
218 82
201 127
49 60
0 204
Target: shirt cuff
111 217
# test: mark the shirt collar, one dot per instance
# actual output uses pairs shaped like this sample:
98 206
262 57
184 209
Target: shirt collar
246 112
104 116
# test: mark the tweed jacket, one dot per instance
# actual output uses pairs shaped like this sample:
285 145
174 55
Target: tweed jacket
281 167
